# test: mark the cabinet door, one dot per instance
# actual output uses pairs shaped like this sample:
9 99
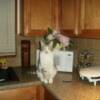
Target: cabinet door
48 95
90 18
37 16
68 17
92 14
26 93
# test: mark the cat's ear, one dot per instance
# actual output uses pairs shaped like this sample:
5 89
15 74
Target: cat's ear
51 45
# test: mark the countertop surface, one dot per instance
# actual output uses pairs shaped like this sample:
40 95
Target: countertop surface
27 76
66 86
60 86
70 87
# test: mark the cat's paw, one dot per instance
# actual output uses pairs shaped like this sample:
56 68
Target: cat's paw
50 81
45 81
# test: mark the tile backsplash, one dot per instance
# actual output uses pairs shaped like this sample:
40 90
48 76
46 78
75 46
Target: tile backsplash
16 60
92 45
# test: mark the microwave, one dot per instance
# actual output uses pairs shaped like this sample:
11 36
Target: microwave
64 60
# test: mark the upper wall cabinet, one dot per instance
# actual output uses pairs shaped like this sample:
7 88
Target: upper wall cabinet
91 14
37 16
90 18
76 18
58 14
68 17
81 18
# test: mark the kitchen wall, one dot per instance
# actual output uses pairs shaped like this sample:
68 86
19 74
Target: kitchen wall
92 45
81 44
16 60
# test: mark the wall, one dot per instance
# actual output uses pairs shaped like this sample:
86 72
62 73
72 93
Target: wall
16 60
90 44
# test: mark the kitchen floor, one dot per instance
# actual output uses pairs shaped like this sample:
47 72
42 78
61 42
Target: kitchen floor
76 89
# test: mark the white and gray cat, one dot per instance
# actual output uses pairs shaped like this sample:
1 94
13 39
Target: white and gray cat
46 69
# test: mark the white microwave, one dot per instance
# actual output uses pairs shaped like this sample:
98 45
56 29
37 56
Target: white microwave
64 60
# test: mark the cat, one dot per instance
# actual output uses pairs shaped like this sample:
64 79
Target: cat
46 70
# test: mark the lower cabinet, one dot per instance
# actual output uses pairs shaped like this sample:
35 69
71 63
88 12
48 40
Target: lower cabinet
48 95
44 94
27 93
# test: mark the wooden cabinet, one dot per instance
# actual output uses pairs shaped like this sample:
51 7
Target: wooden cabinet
73 17
25 93
91 14
48 95
35 92
90 18
37 16
81 17
58 14
44 94
68 17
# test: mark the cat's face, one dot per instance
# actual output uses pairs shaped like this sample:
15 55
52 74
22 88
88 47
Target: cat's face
46 47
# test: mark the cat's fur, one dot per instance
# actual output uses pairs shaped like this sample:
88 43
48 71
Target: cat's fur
46 69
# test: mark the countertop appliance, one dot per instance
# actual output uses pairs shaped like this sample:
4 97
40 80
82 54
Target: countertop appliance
64 60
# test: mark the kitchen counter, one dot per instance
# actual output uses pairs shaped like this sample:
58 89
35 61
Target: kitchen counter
66 86
27 77
60 87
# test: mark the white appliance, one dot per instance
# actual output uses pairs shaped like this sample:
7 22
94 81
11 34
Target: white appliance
64 60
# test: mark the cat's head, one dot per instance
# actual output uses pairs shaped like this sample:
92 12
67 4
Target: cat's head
46 47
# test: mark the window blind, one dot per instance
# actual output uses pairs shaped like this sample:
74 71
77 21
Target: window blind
7 27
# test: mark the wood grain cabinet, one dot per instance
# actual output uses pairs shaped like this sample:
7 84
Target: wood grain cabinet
35 92
68 10
37 16
81 17
48 95
90 18
25 93
44 94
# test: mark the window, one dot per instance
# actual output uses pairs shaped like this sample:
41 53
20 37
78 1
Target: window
7 27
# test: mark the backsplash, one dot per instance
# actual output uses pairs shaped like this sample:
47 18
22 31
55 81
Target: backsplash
81 44
92 45
16 60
